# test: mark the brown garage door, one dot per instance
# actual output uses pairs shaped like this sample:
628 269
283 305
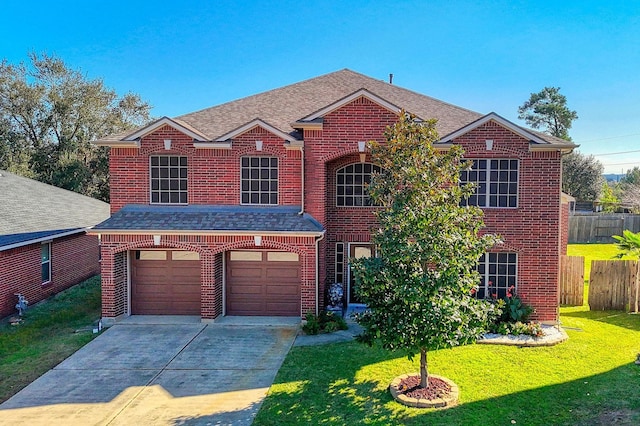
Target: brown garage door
165 282
263 283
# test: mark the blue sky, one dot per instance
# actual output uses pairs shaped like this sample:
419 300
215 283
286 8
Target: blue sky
482 55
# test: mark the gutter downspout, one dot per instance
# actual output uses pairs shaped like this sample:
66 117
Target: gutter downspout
302 182
317 273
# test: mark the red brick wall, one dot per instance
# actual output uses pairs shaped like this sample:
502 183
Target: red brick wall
73 259
213 174
115 248
325 151
533 229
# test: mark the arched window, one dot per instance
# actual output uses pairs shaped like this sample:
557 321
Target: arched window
351 181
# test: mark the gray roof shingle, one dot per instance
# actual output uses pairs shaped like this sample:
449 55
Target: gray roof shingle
209 218
27 205
285 105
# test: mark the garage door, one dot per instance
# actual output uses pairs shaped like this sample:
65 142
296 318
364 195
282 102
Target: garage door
263 283
165 282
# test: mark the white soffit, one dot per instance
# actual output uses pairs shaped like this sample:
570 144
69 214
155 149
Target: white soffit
256 123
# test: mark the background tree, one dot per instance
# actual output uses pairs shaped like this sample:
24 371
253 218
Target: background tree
419 287
50 113
632 177
582 176
547 110
610 203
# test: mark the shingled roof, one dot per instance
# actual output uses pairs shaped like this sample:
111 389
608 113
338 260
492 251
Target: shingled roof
203 219
31 210
286 105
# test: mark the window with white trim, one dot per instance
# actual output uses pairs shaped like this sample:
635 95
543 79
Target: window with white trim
168 174
498 272
259 180
496 183
339 273
45 257
351 184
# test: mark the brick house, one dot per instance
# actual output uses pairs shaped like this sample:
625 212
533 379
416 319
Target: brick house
44 247
254 206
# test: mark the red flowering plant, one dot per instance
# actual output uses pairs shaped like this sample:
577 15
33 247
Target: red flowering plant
514 314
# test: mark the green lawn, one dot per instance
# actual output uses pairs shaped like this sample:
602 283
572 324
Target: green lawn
47 336
593 252
589 380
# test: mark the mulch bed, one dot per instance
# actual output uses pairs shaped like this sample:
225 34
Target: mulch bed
438 388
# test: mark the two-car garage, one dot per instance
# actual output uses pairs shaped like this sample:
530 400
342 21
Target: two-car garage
167 282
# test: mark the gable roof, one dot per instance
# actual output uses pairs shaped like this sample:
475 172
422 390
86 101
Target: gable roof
535 138
285 105
302 104
32 210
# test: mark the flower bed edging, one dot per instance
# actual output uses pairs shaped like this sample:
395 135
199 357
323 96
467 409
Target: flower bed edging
553 335
448 401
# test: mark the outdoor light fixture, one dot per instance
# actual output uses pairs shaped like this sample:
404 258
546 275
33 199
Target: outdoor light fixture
489 143
361 146
167 144
156 240
257 239
258 145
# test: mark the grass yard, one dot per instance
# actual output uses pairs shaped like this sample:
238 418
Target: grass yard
589 380
593 252
47 336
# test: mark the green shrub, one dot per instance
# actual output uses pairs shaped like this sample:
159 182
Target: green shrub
326 322
513 310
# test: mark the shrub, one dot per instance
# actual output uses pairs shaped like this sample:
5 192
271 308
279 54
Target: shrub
514 316
326 322
513 309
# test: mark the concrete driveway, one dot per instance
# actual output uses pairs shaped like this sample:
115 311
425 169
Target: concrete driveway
161 371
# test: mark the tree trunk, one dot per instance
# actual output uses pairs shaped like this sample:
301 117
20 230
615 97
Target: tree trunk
424 372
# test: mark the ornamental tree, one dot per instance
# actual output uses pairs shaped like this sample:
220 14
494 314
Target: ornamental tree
419 289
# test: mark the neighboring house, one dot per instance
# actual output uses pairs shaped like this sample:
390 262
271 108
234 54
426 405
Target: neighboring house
254 207
44 247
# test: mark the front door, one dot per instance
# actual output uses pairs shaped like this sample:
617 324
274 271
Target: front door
357 251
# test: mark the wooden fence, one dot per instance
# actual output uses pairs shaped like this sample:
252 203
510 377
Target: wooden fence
572 280
614 285
598 227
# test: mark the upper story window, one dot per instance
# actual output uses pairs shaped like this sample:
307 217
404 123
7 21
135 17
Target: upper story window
45 262
259 180
496 183
168 179
351 182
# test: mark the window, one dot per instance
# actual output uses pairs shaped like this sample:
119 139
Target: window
259 180
168 179
498 272
45 255
351 184
496 183
339 275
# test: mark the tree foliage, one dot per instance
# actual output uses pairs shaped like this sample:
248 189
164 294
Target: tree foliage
50 113
582 176
547 110
610 203
419 287
632 177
